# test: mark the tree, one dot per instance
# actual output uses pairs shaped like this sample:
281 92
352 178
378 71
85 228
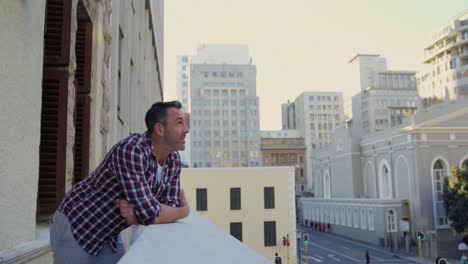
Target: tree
455 196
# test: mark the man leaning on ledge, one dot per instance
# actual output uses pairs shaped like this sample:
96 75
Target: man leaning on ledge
138 182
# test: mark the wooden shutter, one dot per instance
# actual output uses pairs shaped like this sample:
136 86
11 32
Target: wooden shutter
57 33
52 149
83 51
81 147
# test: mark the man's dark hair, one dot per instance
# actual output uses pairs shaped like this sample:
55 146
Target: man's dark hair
157 114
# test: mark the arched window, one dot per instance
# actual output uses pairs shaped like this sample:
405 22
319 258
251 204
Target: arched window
363 218
371 219
385 181
356 217
391 221
337 215
326 185
349 217
343 216
439 173
464 164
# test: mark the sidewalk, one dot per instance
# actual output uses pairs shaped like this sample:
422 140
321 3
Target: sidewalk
411 256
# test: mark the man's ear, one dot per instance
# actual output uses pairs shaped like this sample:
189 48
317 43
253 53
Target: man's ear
159 129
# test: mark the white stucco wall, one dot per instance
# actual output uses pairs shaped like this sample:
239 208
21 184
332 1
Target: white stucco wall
21 52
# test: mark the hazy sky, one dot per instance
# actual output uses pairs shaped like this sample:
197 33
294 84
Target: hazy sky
304 45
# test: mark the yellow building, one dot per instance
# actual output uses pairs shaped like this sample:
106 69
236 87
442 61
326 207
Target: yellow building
255 204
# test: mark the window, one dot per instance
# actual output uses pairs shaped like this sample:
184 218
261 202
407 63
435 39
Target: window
343 216
464 164
236 230
349 218
119 72
385 181
371 219
269 231
391 221
202 204
356 218
337 215
363 218
236 199
326 186
439 173
269 197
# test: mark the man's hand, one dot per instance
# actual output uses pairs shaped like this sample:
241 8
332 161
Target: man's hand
127 211
184 204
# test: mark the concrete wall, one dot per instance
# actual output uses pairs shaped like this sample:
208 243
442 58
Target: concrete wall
21 52
252 214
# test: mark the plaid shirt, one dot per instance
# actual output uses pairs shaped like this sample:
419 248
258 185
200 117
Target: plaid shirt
127 172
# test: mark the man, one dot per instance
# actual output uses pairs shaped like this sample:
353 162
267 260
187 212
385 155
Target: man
137 182
367 256
277 259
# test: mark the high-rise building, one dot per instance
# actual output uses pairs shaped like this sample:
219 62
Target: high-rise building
317 116
183 95
225 130
288 115
445 76
386 96
182 81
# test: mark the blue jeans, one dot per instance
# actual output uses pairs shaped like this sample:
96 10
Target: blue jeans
66 250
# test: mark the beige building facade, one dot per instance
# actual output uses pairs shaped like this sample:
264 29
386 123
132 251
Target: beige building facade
255 205
79 76
286 148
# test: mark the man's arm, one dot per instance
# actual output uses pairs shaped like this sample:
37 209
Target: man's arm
128 164
167 214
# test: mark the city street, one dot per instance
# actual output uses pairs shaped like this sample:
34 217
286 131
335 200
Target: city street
326 248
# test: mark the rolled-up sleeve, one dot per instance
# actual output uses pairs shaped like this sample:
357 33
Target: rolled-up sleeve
129 167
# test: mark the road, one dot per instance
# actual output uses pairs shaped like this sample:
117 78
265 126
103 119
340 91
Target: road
329 249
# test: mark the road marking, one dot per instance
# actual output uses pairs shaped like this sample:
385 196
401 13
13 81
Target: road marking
316 259
337 253
359 244
313 258
333 257
347 248
320 257
377 258
326 241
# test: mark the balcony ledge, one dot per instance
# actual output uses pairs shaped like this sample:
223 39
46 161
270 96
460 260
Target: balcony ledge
191 240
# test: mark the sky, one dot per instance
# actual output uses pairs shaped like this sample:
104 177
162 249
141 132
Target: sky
304 45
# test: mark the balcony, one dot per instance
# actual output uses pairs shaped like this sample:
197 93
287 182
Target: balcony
191 240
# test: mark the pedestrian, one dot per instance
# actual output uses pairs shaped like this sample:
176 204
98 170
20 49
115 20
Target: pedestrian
138 182
367 256
463 259
277 259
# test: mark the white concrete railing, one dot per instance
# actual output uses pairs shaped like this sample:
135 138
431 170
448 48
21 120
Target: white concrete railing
191 240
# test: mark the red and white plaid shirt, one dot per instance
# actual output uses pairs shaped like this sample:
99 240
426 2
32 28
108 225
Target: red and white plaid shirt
127 172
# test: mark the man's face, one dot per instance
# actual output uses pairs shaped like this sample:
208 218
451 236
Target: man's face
176 129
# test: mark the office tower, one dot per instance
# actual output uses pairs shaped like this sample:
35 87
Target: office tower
386 97
225 117
288 115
